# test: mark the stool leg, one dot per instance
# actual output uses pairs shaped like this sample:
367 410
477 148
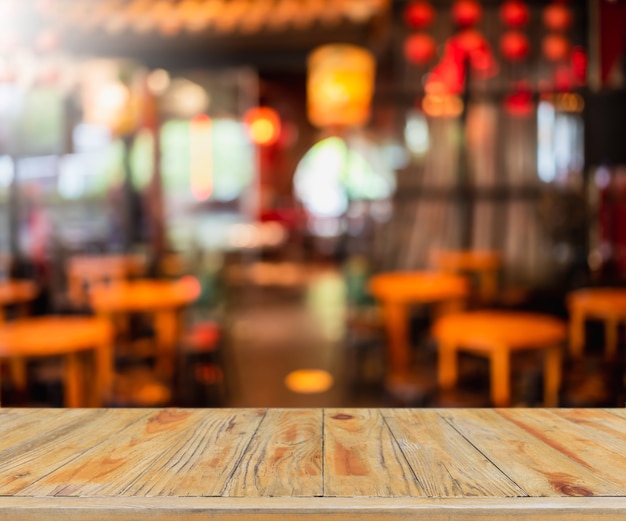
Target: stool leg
610 330
577 333
396 322
500 369
552 382
17 370
448 372
166 326
73 380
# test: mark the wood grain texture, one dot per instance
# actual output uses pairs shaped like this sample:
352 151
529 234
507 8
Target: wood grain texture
598 449
200 462
139 458
537 467
284 457
444 462
57 440
337 464
361 457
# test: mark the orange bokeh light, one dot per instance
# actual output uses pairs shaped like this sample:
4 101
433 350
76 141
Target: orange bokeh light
263 124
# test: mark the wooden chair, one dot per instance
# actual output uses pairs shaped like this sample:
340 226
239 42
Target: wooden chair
88 271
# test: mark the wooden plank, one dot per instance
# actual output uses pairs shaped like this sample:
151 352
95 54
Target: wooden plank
166 452
17 426
618 412
538 468
445 463
201 460
54 443
594 449
361 458
284 457
312 509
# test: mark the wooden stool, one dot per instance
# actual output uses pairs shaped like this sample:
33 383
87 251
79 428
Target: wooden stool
496 335
485 264
67 337
396 292
605 304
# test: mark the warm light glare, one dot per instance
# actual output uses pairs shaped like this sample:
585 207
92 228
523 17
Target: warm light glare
201 161
340 85
309 381
158 81
437 106
263 124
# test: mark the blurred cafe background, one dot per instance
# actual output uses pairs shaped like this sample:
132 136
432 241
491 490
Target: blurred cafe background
307 203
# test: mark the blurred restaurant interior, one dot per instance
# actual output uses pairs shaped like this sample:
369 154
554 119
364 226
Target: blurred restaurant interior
312 203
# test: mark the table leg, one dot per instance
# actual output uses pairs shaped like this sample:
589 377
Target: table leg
17 370
396 323
552 376
104 361
166 326
611 340
500 368
447 368
73 380
576 333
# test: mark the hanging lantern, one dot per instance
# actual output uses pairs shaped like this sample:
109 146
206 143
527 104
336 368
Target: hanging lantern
466 12
557 17
340 85
419 15
514 45
263 124
470 41
519 104
419 48
555 47
514 13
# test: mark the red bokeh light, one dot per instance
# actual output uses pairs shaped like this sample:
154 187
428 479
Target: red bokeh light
514 45
555 47
466 12
514 13
557 17
419 48
419 15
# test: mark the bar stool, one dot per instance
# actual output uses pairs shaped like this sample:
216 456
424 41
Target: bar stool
496 335
605 304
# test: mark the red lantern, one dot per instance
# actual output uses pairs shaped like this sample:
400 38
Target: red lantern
514 45
419 14
470 41
555 47
519 104
466 12
419 48
514 13
557 17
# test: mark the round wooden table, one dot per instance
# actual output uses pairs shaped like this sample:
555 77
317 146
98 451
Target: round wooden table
496 335
162 298
605 304
484 263
85 272
64 336
16 292
396 292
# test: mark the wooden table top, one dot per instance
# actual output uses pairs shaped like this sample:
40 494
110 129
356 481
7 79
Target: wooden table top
598 300
418 286
17 292
145 295
52 335
245 464
513 329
